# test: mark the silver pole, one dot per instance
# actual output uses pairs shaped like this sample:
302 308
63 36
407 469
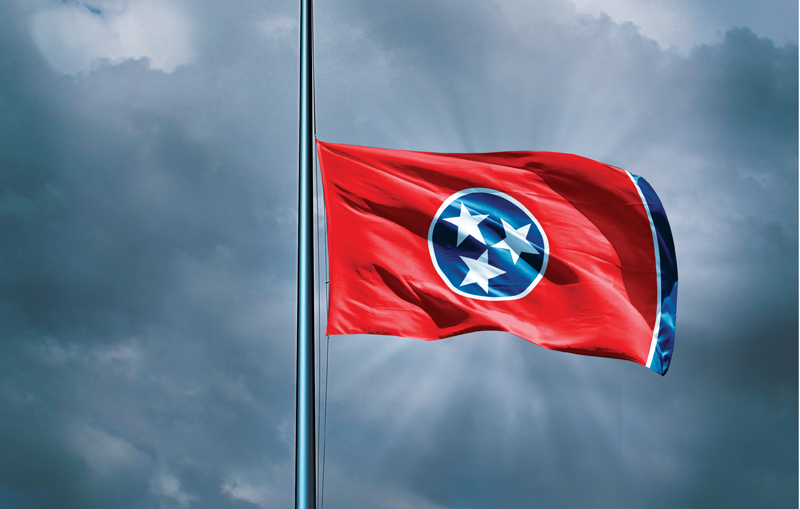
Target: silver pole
305 475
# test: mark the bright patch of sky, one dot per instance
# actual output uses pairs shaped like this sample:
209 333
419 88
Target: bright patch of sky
684 24
77 37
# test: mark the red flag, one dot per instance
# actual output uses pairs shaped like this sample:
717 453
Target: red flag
560 250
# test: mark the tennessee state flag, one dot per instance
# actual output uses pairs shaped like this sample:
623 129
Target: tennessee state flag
568 253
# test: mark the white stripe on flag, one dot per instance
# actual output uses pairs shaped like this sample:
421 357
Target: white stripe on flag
654 341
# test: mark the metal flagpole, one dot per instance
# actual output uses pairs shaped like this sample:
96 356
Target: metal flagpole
305 450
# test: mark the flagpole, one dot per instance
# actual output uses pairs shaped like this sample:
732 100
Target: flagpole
305 450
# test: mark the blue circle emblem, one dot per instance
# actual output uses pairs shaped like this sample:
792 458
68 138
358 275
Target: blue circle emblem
486 245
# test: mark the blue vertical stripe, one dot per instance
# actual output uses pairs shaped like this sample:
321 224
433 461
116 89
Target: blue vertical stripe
668 273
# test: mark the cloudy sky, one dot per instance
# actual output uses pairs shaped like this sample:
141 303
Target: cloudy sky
148 159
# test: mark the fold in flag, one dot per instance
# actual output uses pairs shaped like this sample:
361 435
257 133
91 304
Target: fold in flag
565 252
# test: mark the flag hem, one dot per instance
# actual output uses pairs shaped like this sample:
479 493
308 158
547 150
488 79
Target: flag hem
667 280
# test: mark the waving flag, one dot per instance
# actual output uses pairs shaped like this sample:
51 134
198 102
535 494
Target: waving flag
568 253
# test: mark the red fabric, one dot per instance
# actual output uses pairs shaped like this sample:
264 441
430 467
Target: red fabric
599 291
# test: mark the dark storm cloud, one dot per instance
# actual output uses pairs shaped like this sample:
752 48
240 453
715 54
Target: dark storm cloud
147 219
147 278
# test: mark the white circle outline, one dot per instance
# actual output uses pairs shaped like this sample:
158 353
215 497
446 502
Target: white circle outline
472 190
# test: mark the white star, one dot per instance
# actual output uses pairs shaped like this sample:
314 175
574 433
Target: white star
467 225
480 271
516 241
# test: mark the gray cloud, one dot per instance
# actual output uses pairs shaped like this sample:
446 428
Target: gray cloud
146 312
